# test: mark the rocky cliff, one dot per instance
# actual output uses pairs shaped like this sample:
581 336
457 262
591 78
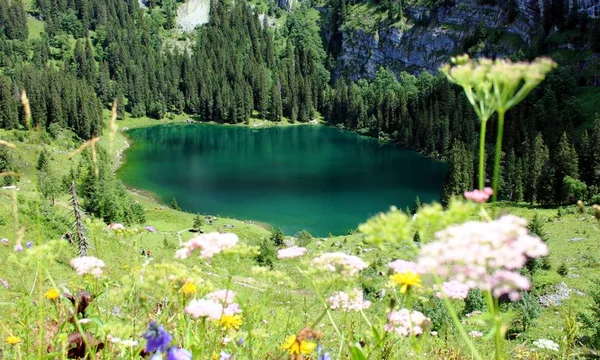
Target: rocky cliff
430 36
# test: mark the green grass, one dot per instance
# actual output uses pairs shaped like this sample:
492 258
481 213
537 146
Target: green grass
36 27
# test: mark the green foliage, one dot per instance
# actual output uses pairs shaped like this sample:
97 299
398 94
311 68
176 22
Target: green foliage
174 205
304 238
574 189
474 302
197 222
591 318
277 237
7 164
529 309
563 269
267 254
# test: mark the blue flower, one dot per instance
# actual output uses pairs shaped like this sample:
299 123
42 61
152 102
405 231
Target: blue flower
225 356
29 244
157 338
116 310
322 355
176 353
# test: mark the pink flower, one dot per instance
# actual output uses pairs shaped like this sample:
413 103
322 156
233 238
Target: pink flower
232 309
88 265
479 196
204 308
209 245
402 266
18 247
476 334
337 262
223 296
352 301
407 323
4 283
116 227
291 252
482 254
453 290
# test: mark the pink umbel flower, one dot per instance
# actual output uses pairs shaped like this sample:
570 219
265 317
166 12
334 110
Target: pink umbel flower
452 289
209 245
406 323
475 334
291 252
232 309
479 196
204 308
88 265
481 254
222 296
403 266
116 227
352 301
337 262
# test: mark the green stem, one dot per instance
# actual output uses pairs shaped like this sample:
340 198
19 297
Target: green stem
498 152
482 154
498 336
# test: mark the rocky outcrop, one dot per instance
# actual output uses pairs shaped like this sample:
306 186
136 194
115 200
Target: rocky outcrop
193 13
432 36
286 4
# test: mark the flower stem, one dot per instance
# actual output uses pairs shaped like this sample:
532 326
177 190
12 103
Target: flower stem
498 152
482 154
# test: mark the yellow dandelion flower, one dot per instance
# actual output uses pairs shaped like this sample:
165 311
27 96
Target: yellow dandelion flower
406 280
189 288
52 294
295 347
229 322
13 340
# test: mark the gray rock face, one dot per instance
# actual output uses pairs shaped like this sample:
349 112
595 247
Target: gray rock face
433 36
286 4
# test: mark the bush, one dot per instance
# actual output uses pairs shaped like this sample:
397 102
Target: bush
267 254
435 309
562 270
197 223
474 302
528 310
304 238
536 227
277 238
574 189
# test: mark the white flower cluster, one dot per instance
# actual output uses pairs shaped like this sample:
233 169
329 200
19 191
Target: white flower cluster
88 265
352 301
346 265
406 323
546 344
209 245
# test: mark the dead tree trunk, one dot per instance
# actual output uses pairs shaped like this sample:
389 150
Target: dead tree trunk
81 239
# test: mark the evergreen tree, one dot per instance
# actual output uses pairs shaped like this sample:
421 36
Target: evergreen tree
277 238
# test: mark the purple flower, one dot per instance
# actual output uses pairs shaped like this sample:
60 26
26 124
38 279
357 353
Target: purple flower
322 355
116 310
4 283
29 244
176 353
157 338
19 247
240 341
225 356
150 229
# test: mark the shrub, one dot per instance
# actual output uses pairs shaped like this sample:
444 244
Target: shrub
574 189
277 238
197 222
267 254
474 302
562 270
528 310
304 238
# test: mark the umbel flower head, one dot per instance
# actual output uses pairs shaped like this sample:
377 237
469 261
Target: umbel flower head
484 255
88 265
209 245
337 262
407 323
352 301
496 85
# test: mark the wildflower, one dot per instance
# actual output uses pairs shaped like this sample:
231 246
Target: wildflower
189 288
482 254
476 334
52 294
150 229
406 280
176 353
205 308
406 323
88 265
116 227
13 340
346 265
401 266
19 247
209 245
116 310
452 289
321 355
29 244
294 346
223 296
157 338
4 283
225 356
546 344
291 252
4 241
479 196
232 309
348 302
129 343
229 322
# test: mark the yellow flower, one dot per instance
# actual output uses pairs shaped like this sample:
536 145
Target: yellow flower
231 322
52 294
295 347
13 340
189 288
406 279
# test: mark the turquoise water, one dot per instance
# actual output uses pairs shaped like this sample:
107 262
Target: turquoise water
316 178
